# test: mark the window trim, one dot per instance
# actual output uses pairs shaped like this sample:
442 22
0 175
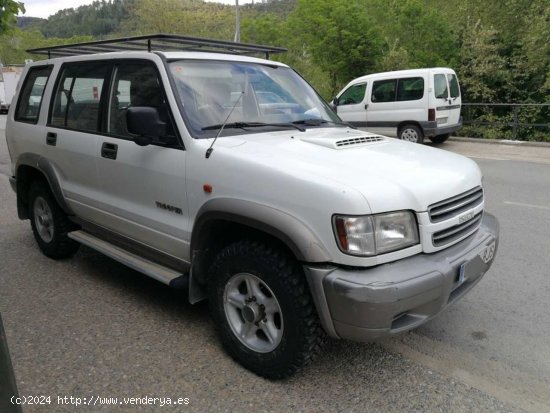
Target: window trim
19 98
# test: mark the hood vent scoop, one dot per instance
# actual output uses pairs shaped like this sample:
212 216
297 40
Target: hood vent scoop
357 141
344 142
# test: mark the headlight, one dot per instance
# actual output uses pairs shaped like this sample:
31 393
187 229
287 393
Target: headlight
375 234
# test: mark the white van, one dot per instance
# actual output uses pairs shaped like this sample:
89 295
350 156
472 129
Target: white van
417 102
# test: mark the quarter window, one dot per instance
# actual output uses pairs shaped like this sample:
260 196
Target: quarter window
78 97
353 95
30 100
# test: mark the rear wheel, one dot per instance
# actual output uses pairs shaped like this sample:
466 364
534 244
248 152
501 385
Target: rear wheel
50 225
440 138
263 309
411 133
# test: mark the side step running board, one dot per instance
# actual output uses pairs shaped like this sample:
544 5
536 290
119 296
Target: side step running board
158 272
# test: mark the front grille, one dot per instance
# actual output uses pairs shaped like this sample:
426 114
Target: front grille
357 141
454 206
451 234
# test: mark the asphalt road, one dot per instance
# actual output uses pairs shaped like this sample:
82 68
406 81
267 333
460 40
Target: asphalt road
89 326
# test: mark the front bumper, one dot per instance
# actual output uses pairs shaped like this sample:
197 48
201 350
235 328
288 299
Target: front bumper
369 304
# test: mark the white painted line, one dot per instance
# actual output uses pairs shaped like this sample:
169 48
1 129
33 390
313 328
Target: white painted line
527 205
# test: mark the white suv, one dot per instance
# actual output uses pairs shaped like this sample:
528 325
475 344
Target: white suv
293 225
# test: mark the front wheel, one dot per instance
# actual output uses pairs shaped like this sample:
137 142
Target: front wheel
263 309
439 138
411 133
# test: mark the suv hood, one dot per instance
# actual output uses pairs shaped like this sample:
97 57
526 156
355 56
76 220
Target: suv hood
390 174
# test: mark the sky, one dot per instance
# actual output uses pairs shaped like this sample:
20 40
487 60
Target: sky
45 8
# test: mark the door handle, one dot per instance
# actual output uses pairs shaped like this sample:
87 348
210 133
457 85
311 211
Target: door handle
109 150
366 106
51 138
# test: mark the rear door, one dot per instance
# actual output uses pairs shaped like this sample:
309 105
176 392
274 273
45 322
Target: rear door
447 98
352 107
72 132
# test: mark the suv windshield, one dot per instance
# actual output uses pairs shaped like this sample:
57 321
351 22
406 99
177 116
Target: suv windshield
251 94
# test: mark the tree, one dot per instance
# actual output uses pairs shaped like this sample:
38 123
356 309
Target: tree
8 10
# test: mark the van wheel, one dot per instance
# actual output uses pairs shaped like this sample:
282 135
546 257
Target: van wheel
440 138
411 133
50 225
263 310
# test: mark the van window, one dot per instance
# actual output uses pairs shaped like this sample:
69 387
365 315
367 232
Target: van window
440 87
136 84
410 89
353 95
77 98
453 86
383 91
30 99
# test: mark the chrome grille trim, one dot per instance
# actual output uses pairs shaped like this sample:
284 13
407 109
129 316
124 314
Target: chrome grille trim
453 233
452 207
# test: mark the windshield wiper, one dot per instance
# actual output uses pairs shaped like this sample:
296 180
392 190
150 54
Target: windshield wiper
317 122
244 125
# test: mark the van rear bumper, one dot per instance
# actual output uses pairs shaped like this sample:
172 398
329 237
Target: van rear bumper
431 128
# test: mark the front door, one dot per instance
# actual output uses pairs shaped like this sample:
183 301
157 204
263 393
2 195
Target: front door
143 193
351 105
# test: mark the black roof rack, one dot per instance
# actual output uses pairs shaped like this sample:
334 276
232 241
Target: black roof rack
161 42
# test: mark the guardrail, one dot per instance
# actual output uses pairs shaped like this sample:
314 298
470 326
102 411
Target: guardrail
507 115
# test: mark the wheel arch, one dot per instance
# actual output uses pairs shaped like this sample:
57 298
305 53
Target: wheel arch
404 123
221 221
30 168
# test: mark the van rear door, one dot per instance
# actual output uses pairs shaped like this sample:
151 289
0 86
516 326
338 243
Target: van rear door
447 99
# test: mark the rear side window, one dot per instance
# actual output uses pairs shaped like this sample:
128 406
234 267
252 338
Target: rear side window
30 99
78 96
383 91
353 95
410 88
453 86
440 87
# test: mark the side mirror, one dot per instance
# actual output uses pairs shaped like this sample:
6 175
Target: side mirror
144 122
334 104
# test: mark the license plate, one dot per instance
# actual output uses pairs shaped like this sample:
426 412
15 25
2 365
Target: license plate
470 270
441 121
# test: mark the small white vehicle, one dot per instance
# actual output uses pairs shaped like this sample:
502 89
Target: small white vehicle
228 175
417 103
10 76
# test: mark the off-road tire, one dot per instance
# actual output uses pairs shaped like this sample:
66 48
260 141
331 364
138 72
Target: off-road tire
302 336
60 246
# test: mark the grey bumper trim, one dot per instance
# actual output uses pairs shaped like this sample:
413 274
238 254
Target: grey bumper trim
431 128
368 304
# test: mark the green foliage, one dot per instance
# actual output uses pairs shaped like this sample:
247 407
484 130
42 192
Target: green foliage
500 49
8 12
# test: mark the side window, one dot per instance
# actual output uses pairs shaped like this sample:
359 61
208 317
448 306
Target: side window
453 86
353 95
30 99
383 91
77 98
440 87
136 84
410 88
